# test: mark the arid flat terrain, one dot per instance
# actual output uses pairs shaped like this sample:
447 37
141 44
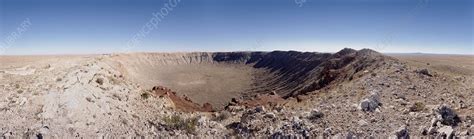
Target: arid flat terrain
460 66
351 93
456 64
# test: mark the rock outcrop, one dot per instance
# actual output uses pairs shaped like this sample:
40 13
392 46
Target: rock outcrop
447 116
371 103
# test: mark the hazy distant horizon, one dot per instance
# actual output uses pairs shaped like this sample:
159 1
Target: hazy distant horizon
86 54
29 27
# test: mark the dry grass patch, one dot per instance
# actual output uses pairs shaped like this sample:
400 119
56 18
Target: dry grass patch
176 122
417 107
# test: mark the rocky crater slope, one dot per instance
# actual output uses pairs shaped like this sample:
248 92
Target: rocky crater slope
248 94
205 76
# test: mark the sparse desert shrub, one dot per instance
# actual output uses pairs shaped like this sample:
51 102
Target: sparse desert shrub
145 95
223 115
176 122
418 106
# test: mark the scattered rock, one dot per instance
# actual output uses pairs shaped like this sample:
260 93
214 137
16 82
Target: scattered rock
432 130
295 120
434 121
446 131
350 135
402 133
89 99
39 136
23 101
464 133
202 120
424 72
235 108
424 131
270 115
273 93
259 109
362 122
462 105
327 132
99 81
315 114
371 103
44 130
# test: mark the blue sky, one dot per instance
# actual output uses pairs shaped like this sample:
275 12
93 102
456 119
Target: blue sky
104 26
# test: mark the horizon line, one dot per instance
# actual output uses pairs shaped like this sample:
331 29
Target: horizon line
138 52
